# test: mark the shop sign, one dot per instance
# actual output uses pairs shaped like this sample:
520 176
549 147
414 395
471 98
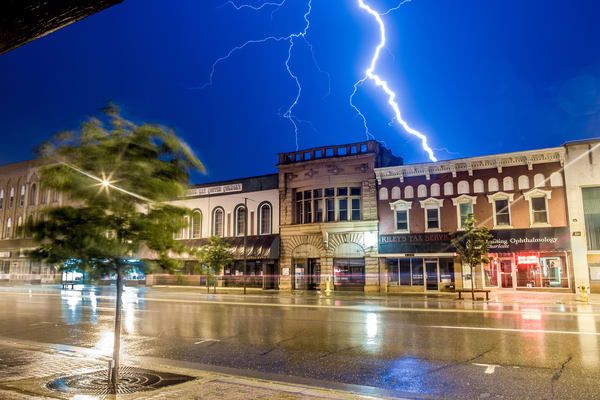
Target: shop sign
205 191
535 239
4 254
504 241
438 242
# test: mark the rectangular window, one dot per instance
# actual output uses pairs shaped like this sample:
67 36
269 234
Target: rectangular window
502 214
330 210
355 191
417 271
342 209
307 212
342 191
433 218
402 220
538 205
329 192
299 208
355 209
591 212
466 209
318 193
319 210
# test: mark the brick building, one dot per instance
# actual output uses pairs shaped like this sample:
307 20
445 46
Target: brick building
22 196
328 216
519 196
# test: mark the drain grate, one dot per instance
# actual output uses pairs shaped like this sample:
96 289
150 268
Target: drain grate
131 380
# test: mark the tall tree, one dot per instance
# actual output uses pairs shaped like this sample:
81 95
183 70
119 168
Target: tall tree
116 175
216 255
472 245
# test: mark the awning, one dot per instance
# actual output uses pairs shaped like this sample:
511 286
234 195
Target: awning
257 247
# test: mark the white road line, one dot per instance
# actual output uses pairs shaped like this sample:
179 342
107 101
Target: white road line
207 340
489 368
475 328
363 307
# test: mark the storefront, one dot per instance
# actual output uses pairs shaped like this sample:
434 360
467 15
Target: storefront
521 259
417 262
262 266
536 258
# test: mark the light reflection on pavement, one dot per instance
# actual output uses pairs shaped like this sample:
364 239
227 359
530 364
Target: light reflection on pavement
432 346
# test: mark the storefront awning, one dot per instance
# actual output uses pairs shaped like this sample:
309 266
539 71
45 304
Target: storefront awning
263 247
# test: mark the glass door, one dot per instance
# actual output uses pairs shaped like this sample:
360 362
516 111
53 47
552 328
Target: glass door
506 273
431 275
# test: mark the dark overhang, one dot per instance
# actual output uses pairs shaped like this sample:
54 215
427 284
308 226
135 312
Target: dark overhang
22 21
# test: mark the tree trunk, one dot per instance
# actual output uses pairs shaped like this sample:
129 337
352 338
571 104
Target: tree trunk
215 284
207 283
114 373
472 283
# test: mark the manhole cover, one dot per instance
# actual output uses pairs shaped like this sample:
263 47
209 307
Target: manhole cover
131 380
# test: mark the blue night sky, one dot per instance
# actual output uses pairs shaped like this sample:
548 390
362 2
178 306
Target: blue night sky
477 76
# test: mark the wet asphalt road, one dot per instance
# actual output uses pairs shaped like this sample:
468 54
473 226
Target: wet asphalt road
403 344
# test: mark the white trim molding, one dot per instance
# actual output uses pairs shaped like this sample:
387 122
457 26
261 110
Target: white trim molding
495 161
533 193
401 205
432 204
463 198
501 196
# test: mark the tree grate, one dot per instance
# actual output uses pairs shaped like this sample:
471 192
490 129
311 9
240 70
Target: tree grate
131 380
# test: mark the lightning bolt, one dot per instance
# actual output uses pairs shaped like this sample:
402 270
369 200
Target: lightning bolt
291 39
370 74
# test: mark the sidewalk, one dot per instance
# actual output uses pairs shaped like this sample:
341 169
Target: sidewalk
25 368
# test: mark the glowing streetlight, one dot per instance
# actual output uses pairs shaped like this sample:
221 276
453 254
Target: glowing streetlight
105 183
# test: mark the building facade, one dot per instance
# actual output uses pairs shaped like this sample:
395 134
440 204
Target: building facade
519 196
219 208
328 216
22 197
582 173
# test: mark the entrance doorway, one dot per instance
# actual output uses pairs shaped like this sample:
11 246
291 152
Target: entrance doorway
506 273
307 273
431 275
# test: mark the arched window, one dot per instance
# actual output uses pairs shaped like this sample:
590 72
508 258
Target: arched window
395 193
264 219
556 179
196 224
409 192
422 191
383 194
463 187
508 183
240 220
478 185
538 180
8 227
218 221
493 185
435 190
55 196
448 189
19 223
11 199
43 195
22 196
32 193
523 182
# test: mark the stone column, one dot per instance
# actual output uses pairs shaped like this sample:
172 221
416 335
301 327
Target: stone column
326 271
383 275
371 274
285 281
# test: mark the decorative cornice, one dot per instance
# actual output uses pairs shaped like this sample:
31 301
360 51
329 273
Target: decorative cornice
497 161
464 197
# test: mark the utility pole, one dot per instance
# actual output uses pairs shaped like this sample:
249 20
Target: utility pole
245 242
